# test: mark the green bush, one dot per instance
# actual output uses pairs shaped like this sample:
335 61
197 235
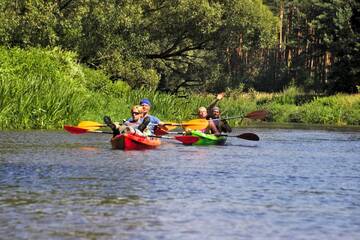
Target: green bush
339 110
40 88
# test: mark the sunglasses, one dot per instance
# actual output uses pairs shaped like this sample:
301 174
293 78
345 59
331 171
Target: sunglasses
135 113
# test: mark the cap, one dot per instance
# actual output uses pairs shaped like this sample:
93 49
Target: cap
216 109
145 101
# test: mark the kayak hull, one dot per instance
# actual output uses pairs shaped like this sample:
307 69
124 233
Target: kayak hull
201 139
134 142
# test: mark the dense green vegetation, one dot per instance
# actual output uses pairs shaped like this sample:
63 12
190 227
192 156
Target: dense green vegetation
199 45
46 88
63 61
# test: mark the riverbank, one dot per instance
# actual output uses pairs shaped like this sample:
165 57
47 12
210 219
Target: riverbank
45 89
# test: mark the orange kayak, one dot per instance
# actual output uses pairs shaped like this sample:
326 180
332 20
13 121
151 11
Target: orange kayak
134 142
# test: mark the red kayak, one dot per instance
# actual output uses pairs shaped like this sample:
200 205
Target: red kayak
134 142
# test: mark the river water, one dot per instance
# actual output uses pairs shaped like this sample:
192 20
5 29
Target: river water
292 184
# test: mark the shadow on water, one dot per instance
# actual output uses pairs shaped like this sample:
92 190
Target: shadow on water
242 145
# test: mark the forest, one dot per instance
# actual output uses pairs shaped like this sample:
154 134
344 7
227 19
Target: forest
199 45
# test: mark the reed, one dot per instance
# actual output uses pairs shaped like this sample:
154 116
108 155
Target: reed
46 88
37 91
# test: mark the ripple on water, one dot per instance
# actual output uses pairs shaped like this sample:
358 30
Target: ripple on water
292 184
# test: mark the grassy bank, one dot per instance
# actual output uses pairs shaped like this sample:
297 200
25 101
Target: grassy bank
47 89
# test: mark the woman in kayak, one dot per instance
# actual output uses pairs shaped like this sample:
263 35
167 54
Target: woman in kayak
137 124
202 114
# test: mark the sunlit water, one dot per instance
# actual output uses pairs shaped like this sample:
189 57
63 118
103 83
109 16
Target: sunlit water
293 184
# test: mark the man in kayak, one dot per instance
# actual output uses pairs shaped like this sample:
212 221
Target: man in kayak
214 114
152 121
221 124
213 104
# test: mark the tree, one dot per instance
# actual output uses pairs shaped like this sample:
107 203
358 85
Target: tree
171 43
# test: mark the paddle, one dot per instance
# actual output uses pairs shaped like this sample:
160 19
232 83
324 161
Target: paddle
86 124
195 124
245 136
256 115
200 124
80 130
187 139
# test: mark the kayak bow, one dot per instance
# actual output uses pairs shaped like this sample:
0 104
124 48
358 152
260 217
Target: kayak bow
134 142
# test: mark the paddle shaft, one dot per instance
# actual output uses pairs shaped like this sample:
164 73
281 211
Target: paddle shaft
245 136
260 114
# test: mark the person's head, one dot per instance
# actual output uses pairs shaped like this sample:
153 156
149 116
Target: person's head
137 112
215 112
146 105
202 112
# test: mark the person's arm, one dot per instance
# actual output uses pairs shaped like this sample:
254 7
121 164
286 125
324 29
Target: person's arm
214 102
225 127
213 128
154 120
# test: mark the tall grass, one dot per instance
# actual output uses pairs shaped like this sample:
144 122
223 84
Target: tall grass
338 110
39 88
42 88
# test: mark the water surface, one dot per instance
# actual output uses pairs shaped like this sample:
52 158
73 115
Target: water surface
293 184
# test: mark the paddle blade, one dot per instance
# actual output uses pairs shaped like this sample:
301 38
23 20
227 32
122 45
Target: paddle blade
168 126
75 130
195 124
160 131
257 115
249 136
187 140
91 125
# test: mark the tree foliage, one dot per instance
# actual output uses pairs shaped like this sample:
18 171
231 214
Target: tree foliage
321 44
203 44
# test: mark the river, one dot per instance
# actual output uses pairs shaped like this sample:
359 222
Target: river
292 184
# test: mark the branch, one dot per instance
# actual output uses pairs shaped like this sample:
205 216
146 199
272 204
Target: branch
168 53
63 6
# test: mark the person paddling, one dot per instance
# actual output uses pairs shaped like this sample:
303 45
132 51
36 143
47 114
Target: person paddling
221 124
134 125
137 123
213 104
203 114
214 114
